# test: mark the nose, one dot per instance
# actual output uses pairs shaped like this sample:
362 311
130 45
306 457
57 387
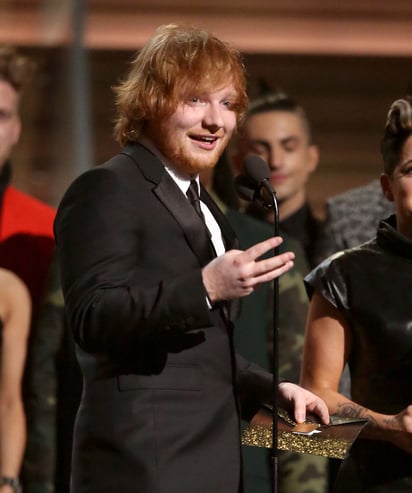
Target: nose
274 158
213 118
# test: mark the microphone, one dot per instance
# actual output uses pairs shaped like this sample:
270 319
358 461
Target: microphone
245 188
256 168
254 185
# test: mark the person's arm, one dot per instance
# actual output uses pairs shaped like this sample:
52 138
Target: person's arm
327 346
256 389
15 314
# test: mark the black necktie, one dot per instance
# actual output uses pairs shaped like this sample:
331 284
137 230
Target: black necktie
193 196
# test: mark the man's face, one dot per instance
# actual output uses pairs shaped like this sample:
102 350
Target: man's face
9 120
280 138
196 134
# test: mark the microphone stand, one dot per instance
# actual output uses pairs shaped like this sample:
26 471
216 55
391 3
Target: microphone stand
271 202
266 196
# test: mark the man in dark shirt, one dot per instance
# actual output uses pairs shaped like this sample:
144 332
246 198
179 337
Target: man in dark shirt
278 130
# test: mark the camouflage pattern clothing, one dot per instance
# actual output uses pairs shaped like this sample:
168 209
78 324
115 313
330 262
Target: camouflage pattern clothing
54 393
297 473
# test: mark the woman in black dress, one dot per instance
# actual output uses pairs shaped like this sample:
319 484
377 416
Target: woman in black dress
361 314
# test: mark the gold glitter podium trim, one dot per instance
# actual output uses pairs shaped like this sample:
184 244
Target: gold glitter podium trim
332 440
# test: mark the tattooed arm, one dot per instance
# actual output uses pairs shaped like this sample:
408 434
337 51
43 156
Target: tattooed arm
327 346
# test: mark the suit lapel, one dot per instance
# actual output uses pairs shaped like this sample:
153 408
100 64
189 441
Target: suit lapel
173 199
192 225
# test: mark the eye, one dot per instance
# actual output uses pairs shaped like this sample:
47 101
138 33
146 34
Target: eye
259 148
405 168
290 145
194 101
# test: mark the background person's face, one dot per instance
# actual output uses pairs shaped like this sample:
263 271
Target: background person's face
398 188
9 120
280 138
196 134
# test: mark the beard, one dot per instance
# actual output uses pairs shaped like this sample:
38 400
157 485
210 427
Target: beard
185 160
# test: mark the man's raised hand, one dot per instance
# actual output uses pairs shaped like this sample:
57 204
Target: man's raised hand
237 273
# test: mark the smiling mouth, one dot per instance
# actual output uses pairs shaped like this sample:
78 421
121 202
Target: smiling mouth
204 138
278 176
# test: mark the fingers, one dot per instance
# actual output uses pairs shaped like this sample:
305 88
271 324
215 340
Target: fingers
254 280
255 273
303 402
252 254
320 408
279 262
300 411
259 249
307 402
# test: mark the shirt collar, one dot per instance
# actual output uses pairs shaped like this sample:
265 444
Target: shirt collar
182 180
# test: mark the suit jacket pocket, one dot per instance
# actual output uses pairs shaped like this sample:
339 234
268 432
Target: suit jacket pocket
172 378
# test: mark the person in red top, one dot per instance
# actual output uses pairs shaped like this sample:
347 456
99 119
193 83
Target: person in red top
26 232
26 224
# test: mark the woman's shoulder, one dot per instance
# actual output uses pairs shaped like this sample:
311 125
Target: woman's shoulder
349 255
10 281
334 275
14 293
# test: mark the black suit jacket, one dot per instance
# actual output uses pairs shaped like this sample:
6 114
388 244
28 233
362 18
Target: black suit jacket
160 407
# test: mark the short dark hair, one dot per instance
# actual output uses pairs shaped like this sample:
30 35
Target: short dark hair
398 128
279 101
16 69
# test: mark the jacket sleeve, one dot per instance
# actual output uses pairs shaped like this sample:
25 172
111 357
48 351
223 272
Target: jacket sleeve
255 387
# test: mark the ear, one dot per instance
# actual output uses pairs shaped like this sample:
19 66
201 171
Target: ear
386 185
313 157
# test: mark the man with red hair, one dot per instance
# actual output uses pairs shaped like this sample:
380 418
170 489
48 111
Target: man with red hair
152 286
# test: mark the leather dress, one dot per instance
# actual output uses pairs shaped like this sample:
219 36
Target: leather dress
371 285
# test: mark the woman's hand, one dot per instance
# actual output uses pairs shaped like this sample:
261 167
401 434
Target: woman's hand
399 427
